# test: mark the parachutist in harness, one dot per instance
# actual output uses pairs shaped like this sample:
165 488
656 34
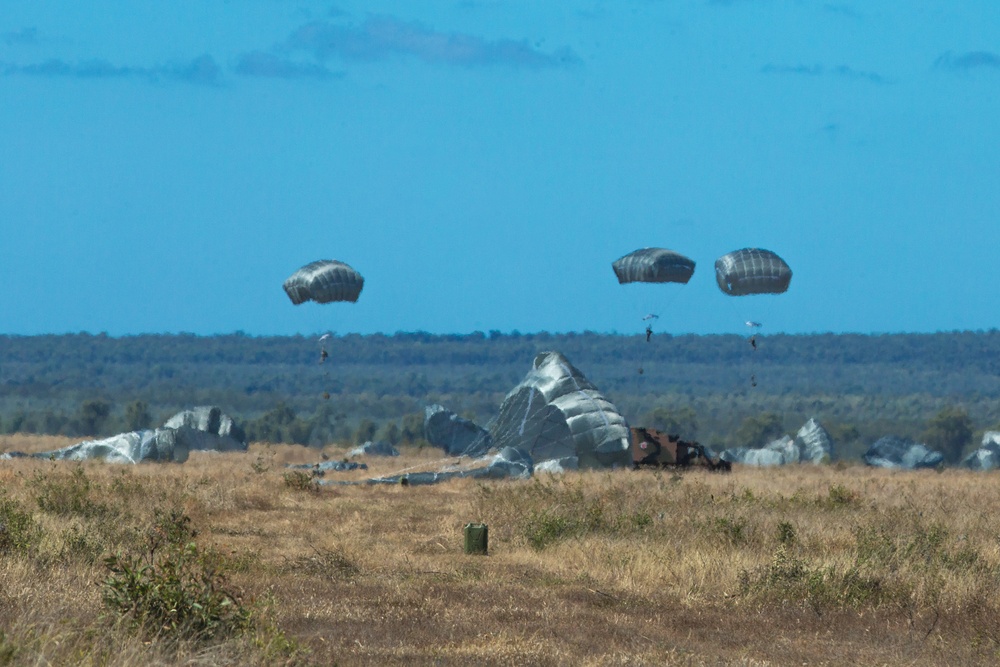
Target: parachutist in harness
753 342
753 380
649 332
323 355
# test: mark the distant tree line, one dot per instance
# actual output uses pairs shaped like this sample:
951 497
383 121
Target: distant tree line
859 387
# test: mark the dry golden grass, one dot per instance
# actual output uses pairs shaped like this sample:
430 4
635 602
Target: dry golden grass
797 565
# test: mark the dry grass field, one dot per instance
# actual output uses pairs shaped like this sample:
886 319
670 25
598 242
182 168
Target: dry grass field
793 566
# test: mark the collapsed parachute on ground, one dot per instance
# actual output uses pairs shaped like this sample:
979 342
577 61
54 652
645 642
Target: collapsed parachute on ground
203 428
456 435
653 265
509 463
894 452
555 413
752 271
208 428
324 281
812 444
159 445
987 457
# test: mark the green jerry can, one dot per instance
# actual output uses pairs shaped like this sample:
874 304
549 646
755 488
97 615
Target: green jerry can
476 538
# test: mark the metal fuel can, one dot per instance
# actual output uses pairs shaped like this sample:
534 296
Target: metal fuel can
476 538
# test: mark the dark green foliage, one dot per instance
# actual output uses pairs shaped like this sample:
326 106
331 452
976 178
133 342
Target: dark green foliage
366 431
570 511
788 578
758 430
733 530
786 532
839 495
9 652
949 432
279 425
413 428
137 416
300 481
389 433
92 416
67 494
19 533
173 588
682 421
860 387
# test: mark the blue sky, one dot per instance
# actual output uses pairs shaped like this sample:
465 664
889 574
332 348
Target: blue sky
165 166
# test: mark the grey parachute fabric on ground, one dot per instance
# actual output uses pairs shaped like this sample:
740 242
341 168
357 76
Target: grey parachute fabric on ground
987 457
814 443
893 452
380 448
208 428
319 469
776 453
653 265
161 445
324 281
752 271
509 463
556 413
202 428
456 435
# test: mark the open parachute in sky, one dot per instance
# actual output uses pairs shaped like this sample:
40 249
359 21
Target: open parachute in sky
653 265
752 271
324 281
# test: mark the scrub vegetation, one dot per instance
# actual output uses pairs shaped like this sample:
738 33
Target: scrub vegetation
859 387
227 559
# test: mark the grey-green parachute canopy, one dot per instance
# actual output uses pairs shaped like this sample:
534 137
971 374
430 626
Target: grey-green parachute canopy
556 413
653 265
752 271
324 281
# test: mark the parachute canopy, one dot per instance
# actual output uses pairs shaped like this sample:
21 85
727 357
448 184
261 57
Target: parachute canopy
555 413
752 271
653 265
324 281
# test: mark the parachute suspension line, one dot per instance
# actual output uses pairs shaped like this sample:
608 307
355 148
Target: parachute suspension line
747 368
653 266
324 281
752 271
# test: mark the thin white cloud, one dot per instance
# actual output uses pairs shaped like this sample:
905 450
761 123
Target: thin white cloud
842 71
20 37
970 60
201 70
841 10
380 37
268 65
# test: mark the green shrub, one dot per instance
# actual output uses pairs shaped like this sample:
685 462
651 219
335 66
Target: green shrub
18 531
67 495
733 530
173 588
786 532
300 481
